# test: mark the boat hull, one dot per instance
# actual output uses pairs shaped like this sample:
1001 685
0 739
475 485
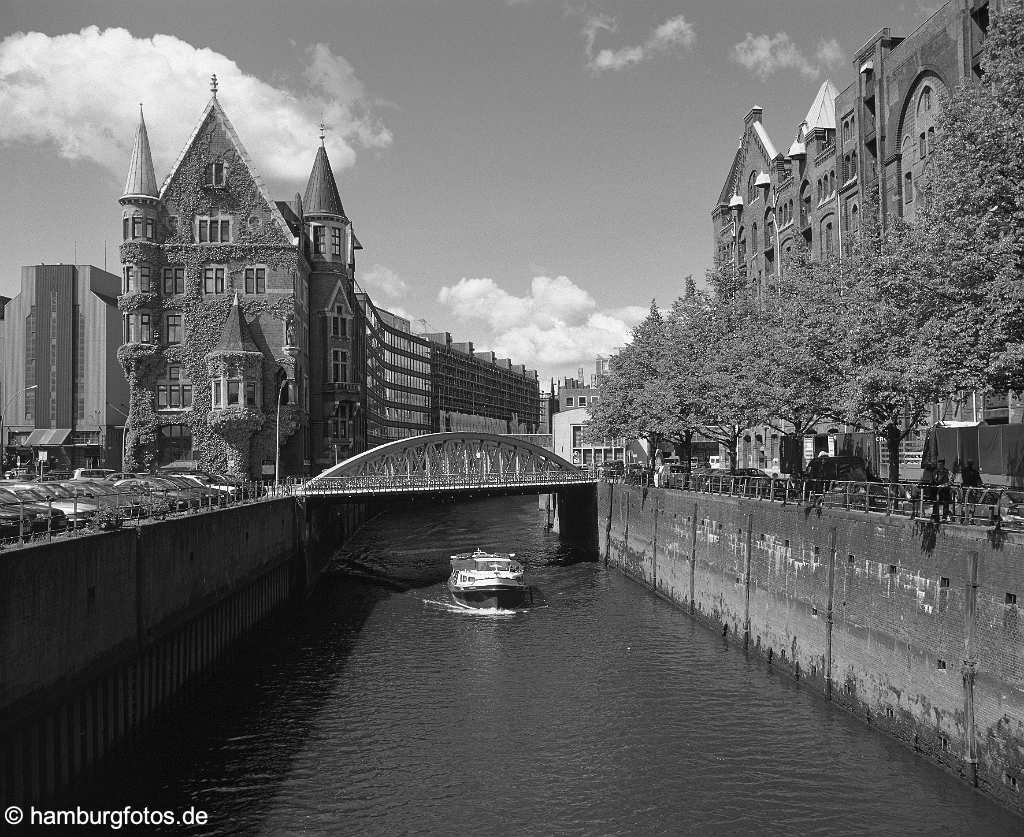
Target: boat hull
492 597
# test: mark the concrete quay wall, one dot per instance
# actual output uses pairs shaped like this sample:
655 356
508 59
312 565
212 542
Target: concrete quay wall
911 625
100 634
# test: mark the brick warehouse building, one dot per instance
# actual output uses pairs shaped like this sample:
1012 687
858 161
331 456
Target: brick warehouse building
230 298
63 396
863 148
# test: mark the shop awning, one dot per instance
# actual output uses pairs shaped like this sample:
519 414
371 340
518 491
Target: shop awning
47 438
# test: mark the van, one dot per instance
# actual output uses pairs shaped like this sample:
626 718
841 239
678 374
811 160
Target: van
715 463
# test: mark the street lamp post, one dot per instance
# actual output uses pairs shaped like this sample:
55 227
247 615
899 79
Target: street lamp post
3 443
277 431
124 434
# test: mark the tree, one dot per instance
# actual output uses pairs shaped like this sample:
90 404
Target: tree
627 404
799 365
968 236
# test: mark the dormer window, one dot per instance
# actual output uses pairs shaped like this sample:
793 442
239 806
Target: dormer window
215 173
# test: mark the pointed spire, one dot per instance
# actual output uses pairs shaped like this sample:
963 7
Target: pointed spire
822 113
141 180
235 335
322 196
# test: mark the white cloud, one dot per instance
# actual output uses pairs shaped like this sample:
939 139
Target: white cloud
674 32
80 92
556 327
384 280
767 54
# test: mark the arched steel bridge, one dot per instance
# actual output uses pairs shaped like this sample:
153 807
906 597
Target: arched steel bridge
449 463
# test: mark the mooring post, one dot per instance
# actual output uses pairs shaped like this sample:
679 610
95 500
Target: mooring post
693 556
829 611
746 581
970 664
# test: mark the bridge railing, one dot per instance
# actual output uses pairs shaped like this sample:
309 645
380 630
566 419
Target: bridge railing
959 504
402 483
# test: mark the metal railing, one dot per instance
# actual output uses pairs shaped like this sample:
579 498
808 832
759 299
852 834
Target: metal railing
92 511
405 483
957 504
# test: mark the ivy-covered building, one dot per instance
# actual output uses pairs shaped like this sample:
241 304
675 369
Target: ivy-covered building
237 309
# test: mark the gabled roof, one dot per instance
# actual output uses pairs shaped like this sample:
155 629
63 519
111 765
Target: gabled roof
823 110
235 335
213 110
766 141
322 196
141 181
729 186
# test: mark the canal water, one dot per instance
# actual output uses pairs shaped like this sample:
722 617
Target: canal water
601 710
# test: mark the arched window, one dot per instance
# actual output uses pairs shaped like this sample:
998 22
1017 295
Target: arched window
926 99
855 222
751 188
819 190
931 139
753 237
853 164
922 146
827 242
908 188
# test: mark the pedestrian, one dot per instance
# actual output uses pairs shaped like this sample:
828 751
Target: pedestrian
943 491
970 476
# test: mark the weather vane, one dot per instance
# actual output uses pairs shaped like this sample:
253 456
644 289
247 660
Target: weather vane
213 84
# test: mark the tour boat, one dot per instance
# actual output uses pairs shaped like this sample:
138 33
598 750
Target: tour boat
488 580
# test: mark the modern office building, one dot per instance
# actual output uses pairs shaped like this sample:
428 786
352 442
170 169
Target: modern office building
63 396
398 380
477 391
234 302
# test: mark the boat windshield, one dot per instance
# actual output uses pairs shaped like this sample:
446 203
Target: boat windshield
494 565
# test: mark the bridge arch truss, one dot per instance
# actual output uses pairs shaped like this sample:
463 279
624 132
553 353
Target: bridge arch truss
439 462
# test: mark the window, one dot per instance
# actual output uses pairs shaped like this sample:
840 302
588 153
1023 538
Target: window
174 280
140 329
215 173
214 230
233 390
136 227
173 329
336 242
753 237
339 323
255 280
339 366
318 240
216 393
1011 598
908 188
926 99
144 281
751 188
129 279
126 228
568 402
250 394
931 139
161 397
150 229
922 146
828 239
213 280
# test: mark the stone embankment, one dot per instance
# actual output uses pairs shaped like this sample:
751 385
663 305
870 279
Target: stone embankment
912 625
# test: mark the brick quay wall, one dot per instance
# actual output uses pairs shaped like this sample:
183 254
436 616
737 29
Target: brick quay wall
911 625
101 634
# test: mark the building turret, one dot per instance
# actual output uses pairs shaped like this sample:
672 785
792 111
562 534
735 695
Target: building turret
330 230
141 197
235 371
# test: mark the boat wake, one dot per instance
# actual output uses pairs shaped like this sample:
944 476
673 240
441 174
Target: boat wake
448 606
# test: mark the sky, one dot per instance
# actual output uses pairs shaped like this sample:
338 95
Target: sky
525 174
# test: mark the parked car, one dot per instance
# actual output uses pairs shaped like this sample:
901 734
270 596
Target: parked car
156 488
18 518
224 485
715 463
92 473
207 495
750 472
45 516
117 476
614 468
78 511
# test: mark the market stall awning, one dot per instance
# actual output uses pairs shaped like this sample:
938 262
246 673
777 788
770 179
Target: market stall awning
47 438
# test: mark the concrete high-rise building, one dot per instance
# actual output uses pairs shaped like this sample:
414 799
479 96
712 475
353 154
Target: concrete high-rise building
233 302
63 396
